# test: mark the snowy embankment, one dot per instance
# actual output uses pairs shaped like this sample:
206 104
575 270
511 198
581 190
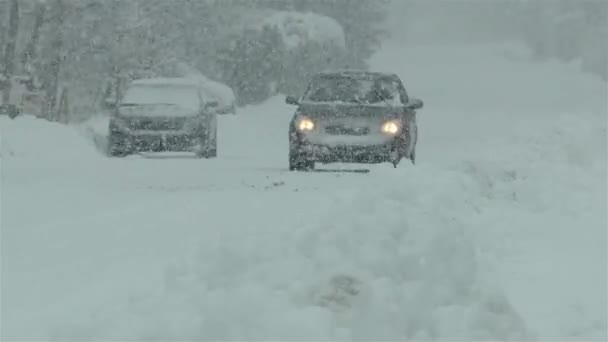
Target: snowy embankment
497 233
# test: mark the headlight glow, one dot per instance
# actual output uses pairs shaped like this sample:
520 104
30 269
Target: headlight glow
305 124
390 127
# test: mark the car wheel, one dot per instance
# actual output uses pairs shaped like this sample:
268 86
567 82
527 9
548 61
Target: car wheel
117 147
299 162
395 157
206 148
396 162
213 151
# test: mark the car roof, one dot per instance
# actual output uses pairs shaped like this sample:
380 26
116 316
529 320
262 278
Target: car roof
170 81
355 73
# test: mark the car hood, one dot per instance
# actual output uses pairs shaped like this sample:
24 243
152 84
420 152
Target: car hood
339 110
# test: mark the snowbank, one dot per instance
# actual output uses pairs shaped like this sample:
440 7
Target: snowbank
96 130
30 137
533 135
379 263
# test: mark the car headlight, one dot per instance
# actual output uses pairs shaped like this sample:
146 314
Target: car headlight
391 127
305 124
118 125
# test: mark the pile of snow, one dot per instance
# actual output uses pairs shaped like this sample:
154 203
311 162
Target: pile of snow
539 153
378 263
30 137
96 129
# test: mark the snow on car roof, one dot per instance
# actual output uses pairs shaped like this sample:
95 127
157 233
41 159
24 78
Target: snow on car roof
171 81
207 87
356 73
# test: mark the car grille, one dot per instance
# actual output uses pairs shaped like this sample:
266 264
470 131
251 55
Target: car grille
154 124
341 130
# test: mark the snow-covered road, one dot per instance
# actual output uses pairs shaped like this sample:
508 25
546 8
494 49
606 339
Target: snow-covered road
498 232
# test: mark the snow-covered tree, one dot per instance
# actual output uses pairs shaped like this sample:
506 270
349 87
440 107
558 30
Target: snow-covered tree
361 20
9 50
568 30
278 52
252 62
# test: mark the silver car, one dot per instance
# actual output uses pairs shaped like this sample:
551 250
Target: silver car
164 114
353 116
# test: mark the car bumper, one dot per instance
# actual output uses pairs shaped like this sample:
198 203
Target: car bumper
157 142
350 153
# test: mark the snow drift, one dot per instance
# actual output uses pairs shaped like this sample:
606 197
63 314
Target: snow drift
375 264
33 138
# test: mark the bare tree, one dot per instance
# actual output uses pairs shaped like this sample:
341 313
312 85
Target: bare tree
52 69
30 53
9 50
3 4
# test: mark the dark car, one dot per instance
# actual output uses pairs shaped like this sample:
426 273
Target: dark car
353 117
163 115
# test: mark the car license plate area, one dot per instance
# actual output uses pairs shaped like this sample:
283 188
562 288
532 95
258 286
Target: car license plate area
342 130
147 124
164 142
356 154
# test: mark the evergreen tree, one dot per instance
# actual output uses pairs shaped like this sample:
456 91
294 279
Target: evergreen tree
361 20
252 63
567 30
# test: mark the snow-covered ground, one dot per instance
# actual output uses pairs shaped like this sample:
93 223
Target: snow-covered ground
498 232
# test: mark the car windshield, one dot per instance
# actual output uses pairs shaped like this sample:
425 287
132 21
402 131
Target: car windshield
182 96
344 89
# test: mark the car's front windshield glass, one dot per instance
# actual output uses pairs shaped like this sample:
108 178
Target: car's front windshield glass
182 96
344 89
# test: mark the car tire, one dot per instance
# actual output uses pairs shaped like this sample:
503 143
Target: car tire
207 148
117 147
299 162
213 151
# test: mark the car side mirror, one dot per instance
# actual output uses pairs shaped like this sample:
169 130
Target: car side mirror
212 104
292 100
109 104
415 104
